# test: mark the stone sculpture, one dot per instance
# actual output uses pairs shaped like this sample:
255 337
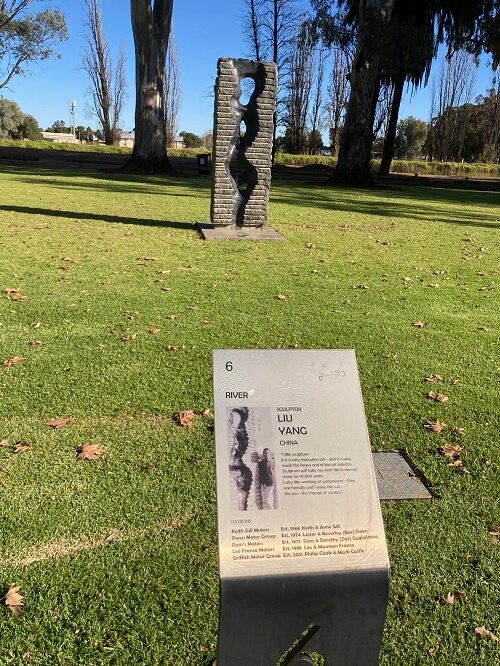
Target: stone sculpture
242 144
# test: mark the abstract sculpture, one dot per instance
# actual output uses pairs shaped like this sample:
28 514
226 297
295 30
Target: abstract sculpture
243 137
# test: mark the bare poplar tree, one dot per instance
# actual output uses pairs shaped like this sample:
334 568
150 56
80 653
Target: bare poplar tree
271 26
317 98
252 26
453 90
298 88
338 95
108 87
171 92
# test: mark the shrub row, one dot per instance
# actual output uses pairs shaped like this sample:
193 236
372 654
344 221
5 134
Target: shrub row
398 166
402 166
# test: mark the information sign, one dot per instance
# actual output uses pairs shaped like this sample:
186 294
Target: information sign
296 488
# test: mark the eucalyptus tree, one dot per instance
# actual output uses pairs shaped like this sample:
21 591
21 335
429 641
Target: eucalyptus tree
396 41
151 21
27 36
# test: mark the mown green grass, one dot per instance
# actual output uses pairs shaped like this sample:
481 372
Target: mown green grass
117 557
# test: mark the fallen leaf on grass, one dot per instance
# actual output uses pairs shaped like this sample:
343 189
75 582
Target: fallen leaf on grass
13 600
166 288
407 280
455 380
495 532
281 297
448 599
57 423
154 331
418 324
15 360
20 447
172 316
451 451
435 426
462 596
458 431
149 258
127 338
208 413
71 260
206 322
4 443
89 452
12 290
438 397
33 343
185 418
434 378
482 631
310 245
16 297
456 463
172 347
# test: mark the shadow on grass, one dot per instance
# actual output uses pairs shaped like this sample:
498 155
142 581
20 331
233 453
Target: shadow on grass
110 181
417 204
99 217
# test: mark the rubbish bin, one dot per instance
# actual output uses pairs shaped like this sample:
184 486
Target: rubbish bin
204 163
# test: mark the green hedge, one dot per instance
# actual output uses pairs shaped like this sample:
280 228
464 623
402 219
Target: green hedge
94 148
402 166
421 167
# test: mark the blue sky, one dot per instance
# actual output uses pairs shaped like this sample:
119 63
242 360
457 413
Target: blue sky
204 30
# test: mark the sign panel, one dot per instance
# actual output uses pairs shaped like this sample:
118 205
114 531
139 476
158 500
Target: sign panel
296 489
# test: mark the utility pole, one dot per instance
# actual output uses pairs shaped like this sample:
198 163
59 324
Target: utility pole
72 105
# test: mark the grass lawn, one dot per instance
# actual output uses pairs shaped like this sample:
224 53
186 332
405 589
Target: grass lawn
117 557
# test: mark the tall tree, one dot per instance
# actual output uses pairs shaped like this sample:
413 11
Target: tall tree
490 104
151 21
26 37
271 28
299 85
171 92
317 101
252 26
410 138
451 109
108 85
381 26
338 94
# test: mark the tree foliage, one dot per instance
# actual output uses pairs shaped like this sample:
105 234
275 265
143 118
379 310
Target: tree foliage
191 140
26 37
410 138
59 127
14 124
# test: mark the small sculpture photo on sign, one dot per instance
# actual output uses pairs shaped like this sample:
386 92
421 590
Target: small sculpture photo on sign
252 467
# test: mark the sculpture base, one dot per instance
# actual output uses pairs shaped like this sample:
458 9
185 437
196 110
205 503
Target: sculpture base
216 232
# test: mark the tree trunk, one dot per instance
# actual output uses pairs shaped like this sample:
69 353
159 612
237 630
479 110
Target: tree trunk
151 28
353 164
390 136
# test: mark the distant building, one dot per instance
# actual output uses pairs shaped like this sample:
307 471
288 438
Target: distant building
59 137
177 142
126 139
